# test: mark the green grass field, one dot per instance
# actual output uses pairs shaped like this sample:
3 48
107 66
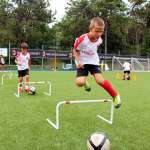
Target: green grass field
23 124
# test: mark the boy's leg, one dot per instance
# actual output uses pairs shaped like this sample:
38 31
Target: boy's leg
20 81
27 81
81 79
128 75
26 85
87 86
108 87
124 76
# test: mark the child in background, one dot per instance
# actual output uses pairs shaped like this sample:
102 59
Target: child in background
23 61
126 70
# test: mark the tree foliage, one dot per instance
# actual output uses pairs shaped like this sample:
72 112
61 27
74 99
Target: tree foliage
79 13
28 21
128 28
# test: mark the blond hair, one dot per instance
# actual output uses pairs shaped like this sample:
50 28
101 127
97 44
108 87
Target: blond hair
96 21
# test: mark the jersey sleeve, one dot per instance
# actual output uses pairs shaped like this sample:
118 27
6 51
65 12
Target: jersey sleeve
78 42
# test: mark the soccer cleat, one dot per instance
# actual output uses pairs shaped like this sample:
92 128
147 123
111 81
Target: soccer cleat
117 101
20 90
87 86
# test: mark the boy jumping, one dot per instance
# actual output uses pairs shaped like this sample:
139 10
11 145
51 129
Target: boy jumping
87 59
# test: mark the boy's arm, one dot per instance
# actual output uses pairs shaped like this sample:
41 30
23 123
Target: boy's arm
17 62
130 67
123 66
29 63
76 54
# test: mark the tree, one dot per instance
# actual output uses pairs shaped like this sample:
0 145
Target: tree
32 18
79 13
5 12
140 13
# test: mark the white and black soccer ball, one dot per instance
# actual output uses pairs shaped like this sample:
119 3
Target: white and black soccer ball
32 90
98 141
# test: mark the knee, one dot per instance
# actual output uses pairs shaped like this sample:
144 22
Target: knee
99 82
27 76
80 83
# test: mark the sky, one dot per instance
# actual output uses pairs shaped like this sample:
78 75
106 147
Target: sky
59 6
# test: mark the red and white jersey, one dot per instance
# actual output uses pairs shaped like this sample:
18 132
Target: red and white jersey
88 49
126 66
23 60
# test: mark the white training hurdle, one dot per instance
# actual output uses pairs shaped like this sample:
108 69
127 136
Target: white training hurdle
57 124
9 75
39 82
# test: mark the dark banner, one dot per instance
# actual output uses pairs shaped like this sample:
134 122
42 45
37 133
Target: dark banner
36 53
52 54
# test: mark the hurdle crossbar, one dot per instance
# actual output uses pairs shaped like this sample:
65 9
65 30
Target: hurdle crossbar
38 82
57 124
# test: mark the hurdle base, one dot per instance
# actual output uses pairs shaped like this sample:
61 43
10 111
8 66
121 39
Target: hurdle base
16 95
108 121
48 94
51 123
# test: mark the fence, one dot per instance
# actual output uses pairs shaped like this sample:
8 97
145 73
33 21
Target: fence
42 59
63 60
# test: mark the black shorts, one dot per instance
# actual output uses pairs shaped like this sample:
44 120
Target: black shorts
22 73
128 72
88 68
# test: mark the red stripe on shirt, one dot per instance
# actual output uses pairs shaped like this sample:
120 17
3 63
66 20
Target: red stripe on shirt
79 40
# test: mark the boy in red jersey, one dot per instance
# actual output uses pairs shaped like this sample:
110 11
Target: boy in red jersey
23 61
87 59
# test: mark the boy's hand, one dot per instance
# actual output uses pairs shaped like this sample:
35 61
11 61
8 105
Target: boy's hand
79 66
18 64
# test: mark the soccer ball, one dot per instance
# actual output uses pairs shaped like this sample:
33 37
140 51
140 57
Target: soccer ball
98 141
32 90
